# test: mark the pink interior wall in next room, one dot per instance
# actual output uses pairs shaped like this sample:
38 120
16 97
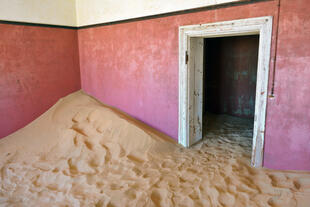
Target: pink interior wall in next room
230 73
38 65
134 67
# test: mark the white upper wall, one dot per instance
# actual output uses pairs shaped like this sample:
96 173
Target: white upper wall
56 12
102 11
87 12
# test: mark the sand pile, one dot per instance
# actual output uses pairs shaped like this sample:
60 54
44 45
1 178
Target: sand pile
82 153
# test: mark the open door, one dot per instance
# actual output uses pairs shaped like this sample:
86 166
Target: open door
195 71
191 76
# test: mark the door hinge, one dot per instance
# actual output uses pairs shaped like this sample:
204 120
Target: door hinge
186 57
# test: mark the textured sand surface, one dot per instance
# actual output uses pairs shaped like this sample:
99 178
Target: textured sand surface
82 153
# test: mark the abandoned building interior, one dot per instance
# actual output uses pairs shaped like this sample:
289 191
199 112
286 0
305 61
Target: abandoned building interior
155 103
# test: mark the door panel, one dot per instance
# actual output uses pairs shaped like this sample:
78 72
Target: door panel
195 67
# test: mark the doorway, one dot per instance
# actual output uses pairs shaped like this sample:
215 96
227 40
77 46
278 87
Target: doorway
229 87
191 77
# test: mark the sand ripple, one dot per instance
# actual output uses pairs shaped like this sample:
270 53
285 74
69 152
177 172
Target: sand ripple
82 153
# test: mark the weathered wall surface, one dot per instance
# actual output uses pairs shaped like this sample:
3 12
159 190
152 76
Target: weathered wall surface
134 66
56 12
230 75
288 116
38 65
99 11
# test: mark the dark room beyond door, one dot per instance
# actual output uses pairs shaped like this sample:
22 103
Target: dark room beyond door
230 71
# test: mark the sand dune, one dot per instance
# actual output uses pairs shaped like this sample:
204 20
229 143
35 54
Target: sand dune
82 153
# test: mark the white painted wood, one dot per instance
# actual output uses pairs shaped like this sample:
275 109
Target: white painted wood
261 93
195 88
190 105
183 132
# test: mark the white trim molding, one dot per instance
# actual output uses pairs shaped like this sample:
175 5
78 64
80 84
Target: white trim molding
190 77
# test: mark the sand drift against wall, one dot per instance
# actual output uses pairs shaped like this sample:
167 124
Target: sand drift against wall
82 153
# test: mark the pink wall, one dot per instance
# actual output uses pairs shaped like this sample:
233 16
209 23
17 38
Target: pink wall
38 65
134 67
287 144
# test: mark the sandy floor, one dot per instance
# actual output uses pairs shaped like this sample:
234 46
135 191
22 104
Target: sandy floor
81 153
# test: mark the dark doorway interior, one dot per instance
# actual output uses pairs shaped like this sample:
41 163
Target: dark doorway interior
230 71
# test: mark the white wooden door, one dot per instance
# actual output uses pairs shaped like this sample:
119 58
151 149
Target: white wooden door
195 71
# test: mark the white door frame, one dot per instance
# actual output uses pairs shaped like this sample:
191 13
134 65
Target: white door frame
190 104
